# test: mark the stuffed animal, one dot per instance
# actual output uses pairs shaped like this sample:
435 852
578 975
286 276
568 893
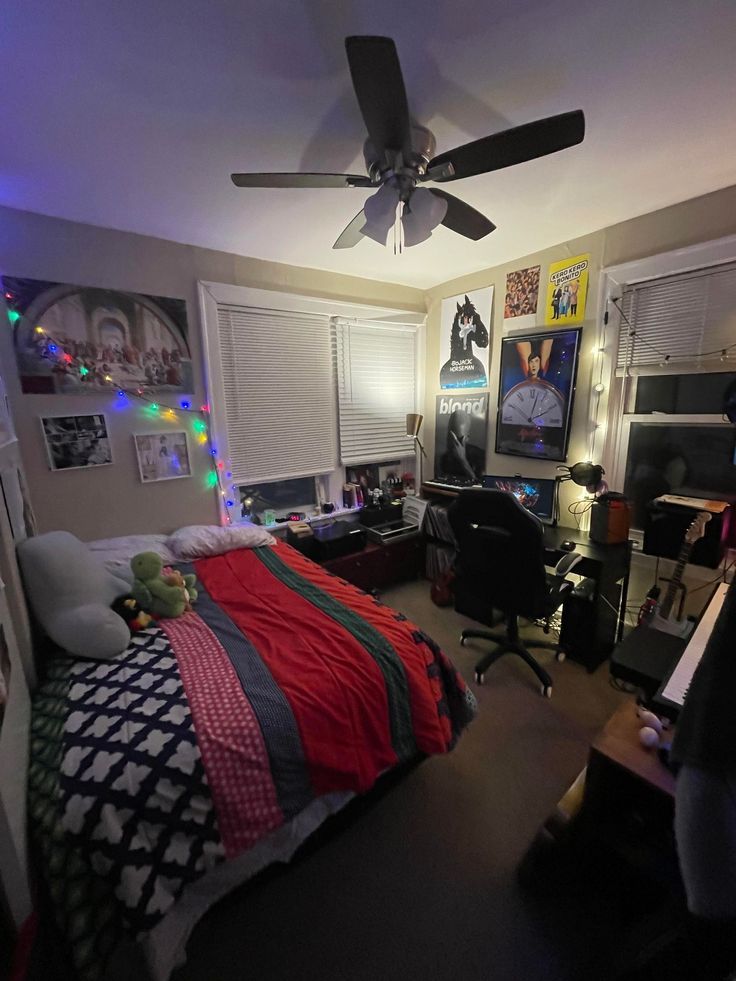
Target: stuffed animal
150 590
172 577
130 610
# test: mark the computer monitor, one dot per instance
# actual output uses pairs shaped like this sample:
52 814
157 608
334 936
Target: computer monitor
536 494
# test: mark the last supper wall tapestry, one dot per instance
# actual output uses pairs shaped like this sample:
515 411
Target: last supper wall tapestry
76 339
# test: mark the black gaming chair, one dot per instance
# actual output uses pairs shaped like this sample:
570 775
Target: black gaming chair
500 566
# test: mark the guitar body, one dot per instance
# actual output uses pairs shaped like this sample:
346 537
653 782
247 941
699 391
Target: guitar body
659 616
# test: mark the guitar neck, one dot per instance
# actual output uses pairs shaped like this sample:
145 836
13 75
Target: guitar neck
669 599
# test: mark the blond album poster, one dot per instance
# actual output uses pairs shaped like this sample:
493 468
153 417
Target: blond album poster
464 339
567 291
522 297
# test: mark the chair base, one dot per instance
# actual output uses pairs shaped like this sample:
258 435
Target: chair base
512 645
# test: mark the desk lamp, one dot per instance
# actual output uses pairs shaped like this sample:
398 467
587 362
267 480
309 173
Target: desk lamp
413 425
588 475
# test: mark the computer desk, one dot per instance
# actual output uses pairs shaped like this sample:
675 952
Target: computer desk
591 627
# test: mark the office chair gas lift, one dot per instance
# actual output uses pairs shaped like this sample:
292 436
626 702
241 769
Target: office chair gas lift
500 566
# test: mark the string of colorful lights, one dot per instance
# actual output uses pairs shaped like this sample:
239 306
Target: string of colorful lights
51 349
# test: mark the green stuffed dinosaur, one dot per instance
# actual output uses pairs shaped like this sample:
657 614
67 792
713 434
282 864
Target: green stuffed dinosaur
152 591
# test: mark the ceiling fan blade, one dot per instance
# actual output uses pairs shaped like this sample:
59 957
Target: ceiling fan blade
512 146
463 219
351 234
301 180
379 87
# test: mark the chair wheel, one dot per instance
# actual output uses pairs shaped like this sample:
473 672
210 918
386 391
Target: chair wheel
560 656
462 641
547 691
479 677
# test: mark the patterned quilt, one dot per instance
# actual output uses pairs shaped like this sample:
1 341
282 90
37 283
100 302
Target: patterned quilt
214 730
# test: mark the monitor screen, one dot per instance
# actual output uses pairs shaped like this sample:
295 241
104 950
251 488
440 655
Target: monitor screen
536 494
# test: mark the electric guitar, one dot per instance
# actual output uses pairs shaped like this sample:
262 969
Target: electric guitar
663 618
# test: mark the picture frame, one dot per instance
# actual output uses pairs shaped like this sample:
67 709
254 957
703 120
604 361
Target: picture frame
162 456
536 393
76 442
75 340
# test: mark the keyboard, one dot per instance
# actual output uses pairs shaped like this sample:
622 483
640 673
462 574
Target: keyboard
675 689
459 484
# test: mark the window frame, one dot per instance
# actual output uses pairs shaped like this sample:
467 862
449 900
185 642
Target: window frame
210 294
607 409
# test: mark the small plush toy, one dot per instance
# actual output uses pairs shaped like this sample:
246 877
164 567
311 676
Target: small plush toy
172 577
151 591
130 610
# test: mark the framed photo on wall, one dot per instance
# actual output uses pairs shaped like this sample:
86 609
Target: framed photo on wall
73 442
162 456
536 393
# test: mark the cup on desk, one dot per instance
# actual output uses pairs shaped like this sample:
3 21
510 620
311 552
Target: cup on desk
269 517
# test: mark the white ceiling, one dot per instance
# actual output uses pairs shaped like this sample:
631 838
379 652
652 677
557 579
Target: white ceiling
132 114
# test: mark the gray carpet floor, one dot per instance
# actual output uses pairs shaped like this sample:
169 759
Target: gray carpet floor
422 884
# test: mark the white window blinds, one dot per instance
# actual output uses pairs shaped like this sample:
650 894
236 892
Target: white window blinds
278 393
683 316
376 387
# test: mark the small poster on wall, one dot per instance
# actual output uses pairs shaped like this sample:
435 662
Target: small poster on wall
162 456
536 392
76 441
567 291
464 339
78 339
461 423
522 297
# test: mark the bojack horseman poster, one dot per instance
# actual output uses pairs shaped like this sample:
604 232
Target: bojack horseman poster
464 339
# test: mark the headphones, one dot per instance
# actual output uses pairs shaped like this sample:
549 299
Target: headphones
729 402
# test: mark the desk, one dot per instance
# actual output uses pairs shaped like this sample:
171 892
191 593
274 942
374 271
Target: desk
591 626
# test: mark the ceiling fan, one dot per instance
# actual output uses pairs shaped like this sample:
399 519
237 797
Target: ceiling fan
400 156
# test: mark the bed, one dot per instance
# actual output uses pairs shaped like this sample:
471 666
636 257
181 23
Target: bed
217 742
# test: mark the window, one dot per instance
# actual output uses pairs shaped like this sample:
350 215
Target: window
692 459
678 319
376 388
272 369
669 367
277 393
281 496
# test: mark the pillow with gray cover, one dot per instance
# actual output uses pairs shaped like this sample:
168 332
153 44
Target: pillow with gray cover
70 591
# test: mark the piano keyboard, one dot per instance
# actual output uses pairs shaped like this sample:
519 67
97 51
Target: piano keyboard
676 688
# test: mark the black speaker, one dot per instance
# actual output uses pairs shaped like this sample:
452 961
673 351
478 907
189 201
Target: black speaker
664 532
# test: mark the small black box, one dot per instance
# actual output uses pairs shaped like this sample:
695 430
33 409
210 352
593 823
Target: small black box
338 538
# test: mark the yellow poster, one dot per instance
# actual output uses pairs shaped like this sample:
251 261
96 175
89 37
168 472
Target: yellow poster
567 291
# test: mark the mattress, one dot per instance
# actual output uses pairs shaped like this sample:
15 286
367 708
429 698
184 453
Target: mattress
217 742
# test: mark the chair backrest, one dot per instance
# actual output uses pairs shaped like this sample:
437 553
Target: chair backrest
500 552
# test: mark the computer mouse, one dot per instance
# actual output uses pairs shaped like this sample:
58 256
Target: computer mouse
568 546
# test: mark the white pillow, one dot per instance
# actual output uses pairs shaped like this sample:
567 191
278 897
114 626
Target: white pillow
116 553
199 541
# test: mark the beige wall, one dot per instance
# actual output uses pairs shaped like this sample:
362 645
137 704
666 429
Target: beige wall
699 220
111 500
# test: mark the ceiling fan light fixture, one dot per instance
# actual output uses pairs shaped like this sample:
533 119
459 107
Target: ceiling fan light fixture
423 213
380 213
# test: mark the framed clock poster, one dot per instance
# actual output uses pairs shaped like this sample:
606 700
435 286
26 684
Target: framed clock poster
536 393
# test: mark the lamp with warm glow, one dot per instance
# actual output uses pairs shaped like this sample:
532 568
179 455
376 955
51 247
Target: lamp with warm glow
413 425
